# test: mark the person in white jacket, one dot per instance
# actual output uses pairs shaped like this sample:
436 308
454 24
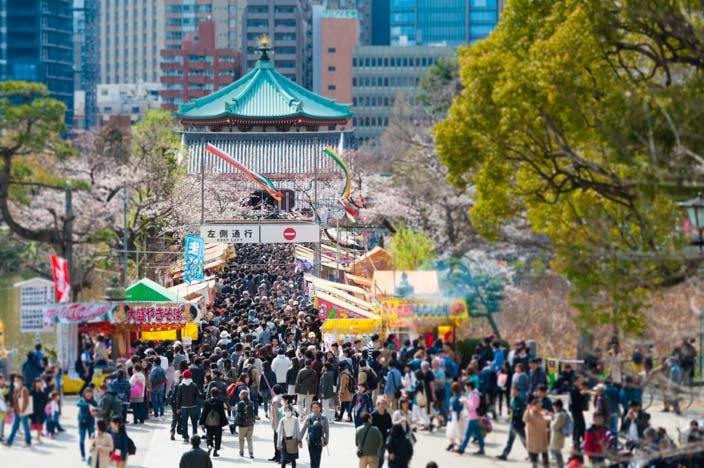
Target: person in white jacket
280 365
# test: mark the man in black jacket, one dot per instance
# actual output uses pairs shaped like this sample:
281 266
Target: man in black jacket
186 404
213 419
579 403
196 457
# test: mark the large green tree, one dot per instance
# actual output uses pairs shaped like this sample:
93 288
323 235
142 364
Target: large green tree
585 117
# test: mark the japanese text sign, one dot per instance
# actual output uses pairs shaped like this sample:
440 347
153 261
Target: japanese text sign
421 309
195 259
230 233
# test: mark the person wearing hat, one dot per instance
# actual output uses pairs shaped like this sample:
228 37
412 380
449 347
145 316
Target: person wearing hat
186 407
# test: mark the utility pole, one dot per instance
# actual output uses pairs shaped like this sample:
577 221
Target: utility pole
316 251
202 189
68 252
125 246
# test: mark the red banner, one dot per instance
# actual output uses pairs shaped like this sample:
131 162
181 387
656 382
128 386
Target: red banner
62 284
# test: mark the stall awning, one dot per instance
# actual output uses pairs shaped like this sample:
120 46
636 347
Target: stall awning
351 326
146 290
186 290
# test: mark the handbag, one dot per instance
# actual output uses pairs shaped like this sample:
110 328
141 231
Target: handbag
364 439
291 444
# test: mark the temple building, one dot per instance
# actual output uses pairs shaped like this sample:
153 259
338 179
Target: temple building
269 124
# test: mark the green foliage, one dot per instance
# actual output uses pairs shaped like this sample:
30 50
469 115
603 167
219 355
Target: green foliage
412 250
467 348
439 86
585 118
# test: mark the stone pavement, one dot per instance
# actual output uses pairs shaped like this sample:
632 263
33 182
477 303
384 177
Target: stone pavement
155 450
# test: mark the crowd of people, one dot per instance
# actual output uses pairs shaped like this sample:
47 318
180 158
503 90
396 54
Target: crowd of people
260 354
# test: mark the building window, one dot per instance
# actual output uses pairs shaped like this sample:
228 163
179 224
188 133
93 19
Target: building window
331 50
354 81
332 87
332 68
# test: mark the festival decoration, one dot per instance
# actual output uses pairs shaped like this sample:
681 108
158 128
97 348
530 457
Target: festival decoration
194 259
345 194
257 178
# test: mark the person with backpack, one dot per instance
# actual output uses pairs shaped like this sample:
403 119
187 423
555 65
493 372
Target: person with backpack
137 388
561 427
121 387
473 402
245 420
157 380
318 429
213 419
361 403
393 386
123 445
187 395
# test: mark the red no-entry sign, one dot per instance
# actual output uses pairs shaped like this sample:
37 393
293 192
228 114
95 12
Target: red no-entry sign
289 234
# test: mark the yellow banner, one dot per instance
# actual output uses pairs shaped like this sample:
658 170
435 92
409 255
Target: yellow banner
424 309
3 351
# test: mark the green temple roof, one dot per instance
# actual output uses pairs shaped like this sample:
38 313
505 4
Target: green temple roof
263 93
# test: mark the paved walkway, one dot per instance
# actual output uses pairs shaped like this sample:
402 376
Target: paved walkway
155 450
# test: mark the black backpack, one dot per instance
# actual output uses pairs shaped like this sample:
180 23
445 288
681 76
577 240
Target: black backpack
482 409
78 366
372 379
131 448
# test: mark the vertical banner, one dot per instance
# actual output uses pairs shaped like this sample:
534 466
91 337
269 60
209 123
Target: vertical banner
62 284
195 259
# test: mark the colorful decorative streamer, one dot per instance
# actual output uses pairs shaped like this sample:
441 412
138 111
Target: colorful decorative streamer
346 188
258 179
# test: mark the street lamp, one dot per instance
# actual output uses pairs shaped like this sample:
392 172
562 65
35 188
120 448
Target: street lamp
695 212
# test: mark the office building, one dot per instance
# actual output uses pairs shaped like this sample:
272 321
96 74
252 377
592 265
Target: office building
131 38
446 22
287 23
126 103
36 44
197 69
364 15
86 15
339 34
379 73
381 23
270 125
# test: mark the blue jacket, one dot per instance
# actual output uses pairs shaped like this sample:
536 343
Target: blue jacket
393 381
498 361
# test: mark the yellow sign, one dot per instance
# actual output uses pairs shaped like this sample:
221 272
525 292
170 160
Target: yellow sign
3 351
397 310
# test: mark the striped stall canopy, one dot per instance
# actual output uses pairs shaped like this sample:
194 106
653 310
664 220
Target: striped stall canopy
268 153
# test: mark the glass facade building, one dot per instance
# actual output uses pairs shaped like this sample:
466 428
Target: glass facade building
449 22
36 44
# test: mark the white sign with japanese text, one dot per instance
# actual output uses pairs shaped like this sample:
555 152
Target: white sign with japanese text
230 233
265 233
35 293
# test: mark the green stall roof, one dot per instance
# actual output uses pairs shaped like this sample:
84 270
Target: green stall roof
146 290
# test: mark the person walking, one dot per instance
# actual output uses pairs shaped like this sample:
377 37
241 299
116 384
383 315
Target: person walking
318 429
101 446
536 433
39 401
361 403
560 426
121 443
138 384
345 392
382 420
23 409
245 419
516 424
399 448
196 457
473 428
393 386
157 380
275 412
579 403
213 419
368 440
327 390
85 366
87 406
306 387
186 396
289 438
457 425
280 365
5 402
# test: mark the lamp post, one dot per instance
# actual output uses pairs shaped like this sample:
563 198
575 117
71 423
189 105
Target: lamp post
695 214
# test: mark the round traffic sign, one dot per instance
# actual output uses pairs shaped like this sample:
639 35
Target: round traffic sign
289 233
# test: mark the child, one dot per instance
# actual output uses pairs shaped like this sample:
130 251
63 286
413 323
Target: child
52 414
576 459
458 422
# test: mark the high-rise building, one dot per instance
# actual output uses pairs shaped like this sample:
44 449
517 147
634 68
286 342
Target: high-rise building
132 37
36 44
448 22
86 14
339 34
198 68
288 25
365 9
379 74
381 22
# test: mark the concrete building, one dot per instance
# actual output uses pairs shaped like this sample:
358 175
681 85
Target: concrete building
448 22
364 14
339 34
36 44
86 59
379 73
131 38
287 23
198 68
121 102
